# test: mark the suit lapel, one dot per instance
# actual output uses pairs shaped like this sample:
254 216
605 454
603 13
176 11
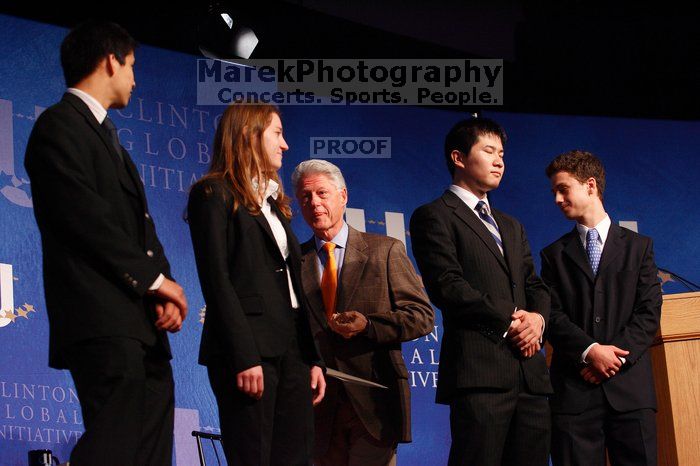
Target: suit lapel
83 109
465 214
292 245
311 282
353 265
262 221
613 245
130 182
134 178
574 249
507 238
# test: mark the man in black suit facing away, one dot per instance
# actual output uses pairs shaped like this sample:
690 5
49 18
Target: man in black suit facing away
477 268
606 306
109 294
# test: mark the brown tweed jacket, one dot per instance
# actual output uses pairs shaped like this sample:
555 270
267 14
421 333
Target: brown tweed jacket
378 280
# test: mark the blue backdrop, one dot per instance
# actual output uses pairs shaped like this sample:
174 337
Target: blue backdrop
652 181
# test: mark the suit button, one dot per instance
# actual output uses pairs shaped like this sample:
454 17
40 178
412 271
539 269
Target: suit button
597 319
147 215
134 283
149 253
514 285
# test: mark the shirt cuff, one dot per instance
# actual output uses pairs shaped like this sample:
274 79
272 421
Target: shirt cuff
584 355
156 284
511 323
543 325
369 331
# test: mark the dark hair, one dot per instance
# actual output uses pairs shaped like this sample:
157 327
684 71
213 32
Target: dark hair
88 43
464 135
581 165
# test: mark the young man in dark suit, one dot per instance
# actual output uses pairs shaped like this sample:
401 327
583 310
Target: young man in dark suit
109 294
477 268
606 306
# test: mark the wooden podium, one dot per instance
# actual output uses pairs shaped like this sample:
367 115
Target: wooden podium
676 361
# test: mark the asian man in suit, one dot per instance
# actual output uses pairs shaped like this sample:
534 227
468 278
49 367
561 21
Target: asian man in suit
606 306
477 268
109 293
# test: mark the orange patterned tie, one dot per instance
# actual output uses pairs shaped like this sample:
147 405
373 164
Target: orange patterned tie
329 281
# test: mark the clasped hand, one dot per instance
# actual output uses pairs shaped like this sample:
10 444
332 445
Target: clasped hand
525 332
170 306
603 362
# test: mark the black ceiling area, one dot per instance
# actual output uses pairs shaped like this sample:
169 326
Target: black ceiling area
624 59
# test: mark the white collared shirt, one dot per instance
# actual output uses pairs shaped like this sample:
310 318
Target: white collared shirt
603 229
95 107
470 198
278 232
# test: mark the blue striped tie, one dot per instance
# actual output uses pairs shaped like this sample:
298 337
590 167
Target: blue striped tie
483 210
593 249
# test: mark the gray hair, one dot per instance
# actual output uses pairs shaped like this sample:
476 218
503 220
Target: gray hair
318 166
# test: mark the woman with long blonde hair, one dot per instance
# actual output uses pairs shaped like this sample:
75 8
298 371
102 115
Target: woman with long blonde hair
256 343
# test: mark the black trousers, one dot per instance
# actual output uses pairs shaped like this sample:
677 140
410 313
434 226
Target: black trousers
127 400
278 428
494 427
581 439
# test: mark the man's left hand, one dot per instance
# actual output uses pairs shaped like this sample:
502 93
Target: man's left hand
525 329
590 375
169 316
318 384
531 350
348 323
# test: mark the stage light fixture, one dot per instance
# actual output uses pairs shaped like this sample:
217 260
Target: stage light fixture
223 35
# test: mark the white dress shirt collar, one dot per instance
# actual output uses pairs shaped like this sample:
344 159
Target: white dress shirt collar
469 197
603 229
272 190
95 107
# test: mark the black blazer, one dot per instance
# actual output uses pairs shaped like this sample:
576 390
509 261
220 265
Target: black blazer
621 306
477 290
244 282
99 243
